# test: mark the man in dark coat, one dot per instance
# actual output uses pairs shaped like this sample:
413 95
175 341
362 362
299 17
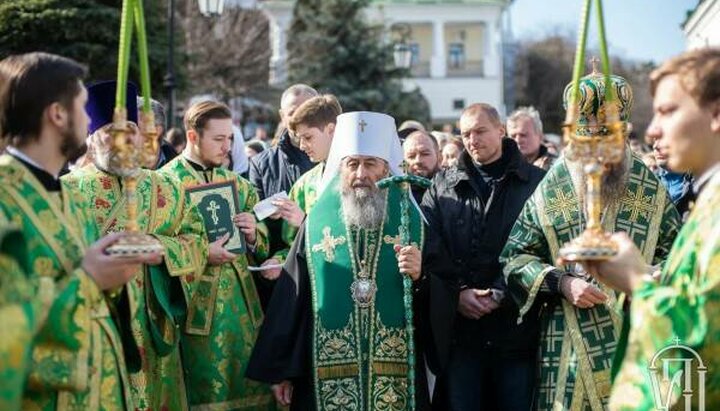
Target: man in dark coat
485 360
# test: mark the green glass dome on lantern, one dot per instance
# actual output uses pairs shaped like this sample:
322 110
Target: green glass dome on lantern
592 119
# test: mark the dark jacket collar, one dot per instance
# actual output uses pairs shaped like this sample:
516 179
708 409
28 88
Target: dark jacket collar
543 151
292 153
48 181
516 164
197 166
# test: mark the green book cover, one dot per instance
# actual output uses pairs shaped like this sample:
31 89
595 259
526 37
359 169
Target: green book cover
218 203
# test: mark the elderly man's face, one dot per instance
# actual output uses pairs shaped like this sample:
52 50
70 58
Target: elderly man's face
363 204
360 173
527 138
110 160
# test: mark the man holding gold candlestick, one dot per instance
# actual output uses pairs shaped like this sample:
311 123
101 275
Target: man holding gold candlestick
674 316
582 317
75 360
150 308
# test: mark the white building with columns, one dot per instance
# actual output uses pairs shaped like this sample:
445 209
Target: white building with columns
702 27
456 45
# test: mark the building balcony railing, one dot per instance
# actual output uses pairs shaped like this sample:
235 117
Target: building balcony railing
470 68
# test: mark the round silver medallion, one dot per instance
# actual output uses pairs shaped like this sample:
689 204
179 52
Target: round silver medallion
363 292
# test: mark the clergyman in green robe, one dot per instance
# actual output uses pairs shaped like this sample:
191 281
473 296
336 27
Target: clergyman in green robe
338 332
151 308
673 353
76 360
583 319
224 311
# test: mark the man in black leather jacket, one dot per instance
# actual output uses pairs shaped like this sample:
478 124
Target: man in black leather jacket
486 360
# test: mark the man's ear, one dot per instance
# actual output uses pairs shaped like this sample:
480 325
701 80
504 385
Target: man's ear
330 129
57 115
192 137
715 116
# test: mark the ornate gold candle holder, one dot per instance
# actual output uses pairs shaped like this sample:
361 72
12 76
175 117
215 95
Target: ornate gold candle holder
128 163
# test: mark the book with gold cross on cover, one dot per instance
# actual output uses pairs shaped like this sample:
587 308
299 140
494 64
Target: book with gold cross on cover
218 203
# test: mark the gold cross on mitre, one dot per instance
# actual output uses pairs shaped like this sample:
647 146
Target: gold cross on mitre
328 244
362 125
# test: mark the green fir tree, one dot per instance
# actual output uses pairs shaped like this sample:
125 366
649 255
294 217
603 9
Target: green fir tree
84 30
332 47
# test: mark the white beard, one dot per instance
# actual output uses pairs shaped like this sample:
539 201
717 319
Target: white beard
614 180
363 208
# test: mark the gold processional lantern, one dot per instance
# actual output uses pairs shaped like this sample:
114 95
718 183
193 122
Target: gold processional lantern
598 108
130 154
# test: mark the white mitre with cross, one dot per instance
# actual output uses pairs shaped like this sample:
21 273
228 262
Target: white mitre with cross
363 133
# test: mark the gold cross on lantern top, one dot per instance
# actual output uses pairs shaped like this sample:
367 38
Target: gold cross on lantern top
328 244
594 64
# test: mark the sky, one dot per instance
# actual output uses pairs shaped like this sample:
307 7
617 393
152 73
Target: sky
641 30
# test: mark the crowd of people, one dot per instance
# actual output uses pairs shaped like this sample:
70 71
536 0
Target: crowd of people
400 268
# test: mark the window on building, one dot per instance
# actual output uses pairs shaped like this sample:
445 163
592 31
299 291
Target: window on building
458 104
456 53
415 54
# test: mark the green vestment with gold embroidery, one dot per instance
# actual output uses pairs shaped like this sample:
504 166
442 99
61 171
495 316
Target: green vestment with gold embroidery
360 348
224 314
577 345
77 358
154 298
304 193
683 305
22 313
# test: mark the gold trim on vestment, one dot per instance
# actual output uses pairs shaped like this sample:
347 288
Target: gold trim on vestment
247 286
337 371
97 369
119 205
203 301
654 225
390 368
564 367
578 398
584 372
534 290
